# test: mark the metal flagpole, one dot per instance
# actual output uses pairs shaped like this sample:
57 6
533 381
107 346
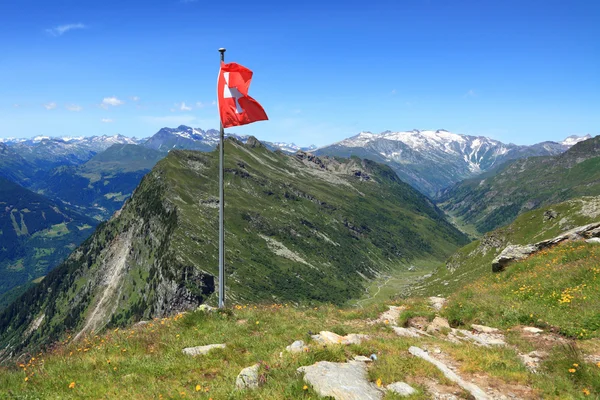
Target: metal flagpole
221 212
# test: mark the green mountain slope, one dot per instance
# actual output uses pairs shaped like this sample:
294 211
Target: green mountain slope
36 234
101 185
475 259
14 167
298 229
490 202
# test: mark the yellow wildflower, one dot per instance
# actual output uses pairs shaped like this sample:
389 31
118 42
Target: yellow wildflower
71 385
378 382
26 378
305 387
198 388
572 370
586 392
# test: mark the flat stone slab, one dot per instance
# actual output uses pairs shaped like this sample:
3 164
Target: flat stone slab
297 347
201 350
362 359
401 388
328 338
248 378
342 381
479 338
409 332
484 329
475 390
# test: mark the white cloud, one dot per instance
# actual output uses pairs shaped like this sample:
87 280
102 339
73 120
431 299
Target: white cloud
16 105
106 120
183 107
73 107
50 106
111 101
200 104
470 93
62 29
135 98
214 103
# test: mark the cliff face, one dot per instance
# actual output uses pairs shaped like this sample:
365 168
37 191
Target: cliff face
298 229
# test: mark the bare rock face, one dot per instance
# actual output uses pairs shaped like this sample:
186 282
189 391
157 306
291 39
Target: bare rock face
342 381
248 378
517 252
201 350
512 253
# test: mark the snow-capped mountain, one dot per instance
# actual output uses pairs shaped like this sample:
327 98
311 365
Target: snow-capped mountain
48 152
185 137
433 160
574 139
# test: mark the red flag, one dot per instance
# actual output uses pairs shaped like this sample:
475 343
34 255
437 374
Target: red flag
235 106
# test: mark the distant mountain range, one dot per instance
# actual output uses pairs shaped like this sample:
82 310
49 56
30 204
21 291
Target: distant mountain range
434 160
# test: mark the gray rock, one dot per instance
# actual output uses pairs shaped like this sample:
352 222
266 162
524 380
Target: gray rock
479 338
248 378
401 388
342 381
437 325
475 390
593 240
362 359
297 347
484 329
409 332
512 253
437 302
327 338
201 350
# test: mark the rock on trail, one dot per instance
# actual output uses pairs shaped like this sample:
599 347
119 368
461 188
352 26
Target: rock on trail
342 381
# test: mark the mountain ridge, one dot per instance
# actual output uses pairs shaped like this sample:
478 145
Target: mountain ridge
298 228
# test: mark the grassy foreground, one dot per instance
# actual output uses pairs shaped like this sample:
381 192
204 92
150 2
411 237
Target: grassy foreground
557 290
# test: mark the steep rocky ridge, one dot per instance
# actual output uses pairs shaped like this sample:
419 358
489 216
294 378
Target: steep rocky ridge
298 228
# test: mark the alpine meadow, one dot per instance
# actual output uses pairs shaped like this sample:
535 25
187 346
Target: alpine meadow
319 200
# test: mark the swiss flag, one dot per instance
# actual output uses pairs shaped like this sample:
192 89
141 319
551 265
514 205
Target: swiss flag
235 106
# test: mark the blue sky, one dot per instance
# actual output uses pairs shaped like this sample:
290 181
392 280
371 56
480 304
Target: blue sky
518 71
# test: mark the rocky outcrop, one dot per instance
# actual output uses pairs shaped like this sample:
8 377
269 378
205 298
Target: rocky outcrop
248 378
342 381
201 350
516 252
327 338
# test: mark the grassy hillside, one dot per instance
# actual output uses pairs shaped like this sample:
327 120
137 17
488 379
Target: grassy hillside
298 229
475 259
147 362
490 202
36 234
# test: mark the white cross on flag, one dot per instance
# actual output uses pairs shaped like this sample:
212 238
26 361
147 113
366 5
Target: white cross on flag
235 106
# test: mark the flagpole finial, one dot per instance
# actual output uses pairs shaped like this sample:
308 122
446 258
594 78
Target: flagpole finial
222 51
